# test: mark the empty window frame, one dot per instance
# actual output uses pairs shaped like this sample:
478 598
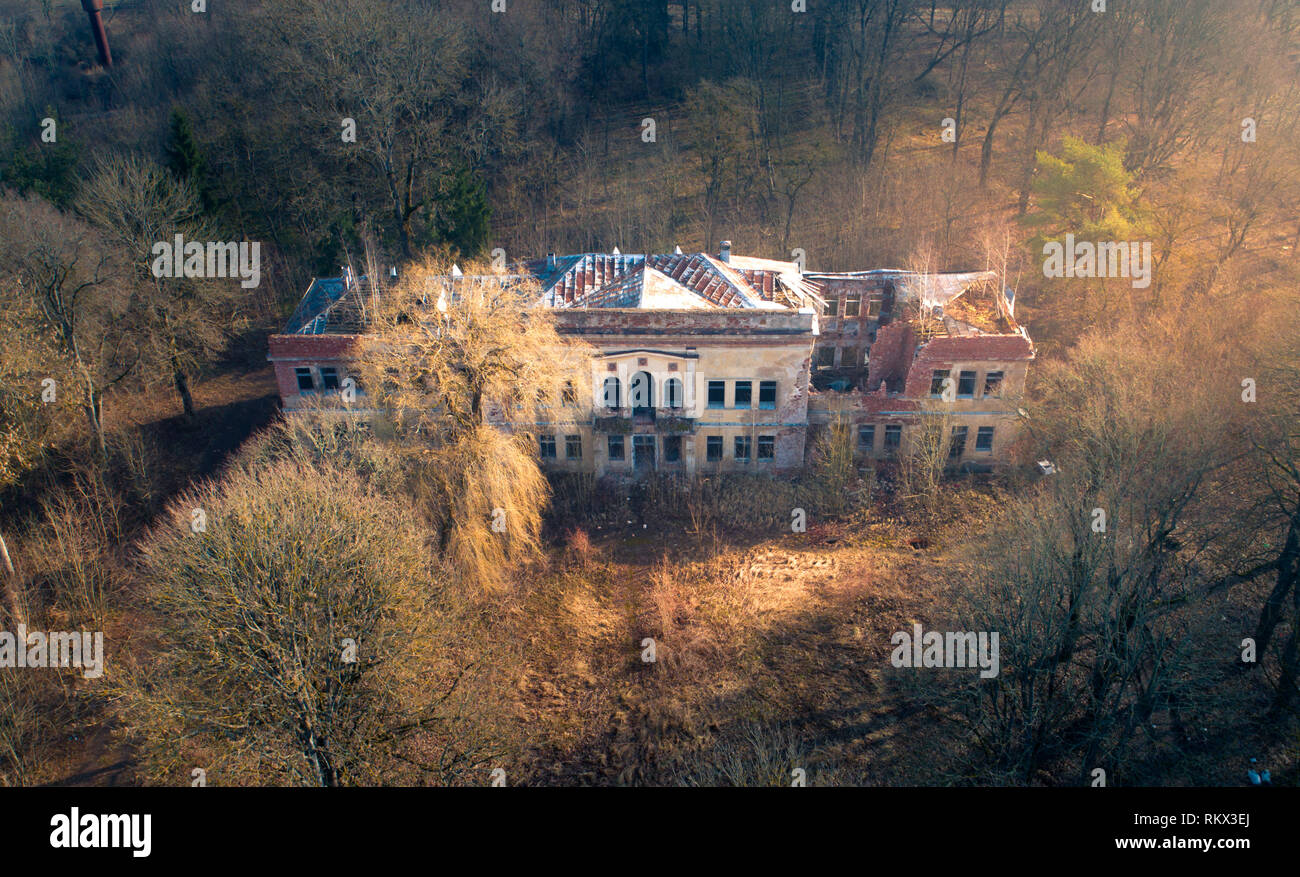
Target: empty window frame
546 446
573 447
958 445
329 379
306 384
825 357
744 394
937 377
893 437
832 308
984 439
767 395
873 307
767 447
717 394
966 385
713 448
743 448
867 438
672 449
992 384
853 304
615 447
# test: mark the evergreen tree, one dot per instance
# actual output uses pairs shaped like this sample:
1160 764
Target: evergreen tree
464 214
1086 191
45 169
185 157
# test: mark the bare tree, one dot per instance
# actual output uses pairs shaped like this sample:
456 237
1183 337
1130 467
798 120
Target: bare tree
63 269
1094 580
307 639
180 321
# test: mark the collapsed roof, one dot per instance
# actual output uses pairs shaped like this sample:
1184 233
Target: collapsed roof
968 302
673 281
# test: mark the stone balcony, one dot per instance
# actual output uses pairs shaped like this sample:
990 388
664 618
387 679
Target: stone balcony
626 421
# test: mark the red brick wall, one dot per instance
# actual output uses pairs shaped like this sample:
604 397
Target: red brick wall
947 352
890 356
288 352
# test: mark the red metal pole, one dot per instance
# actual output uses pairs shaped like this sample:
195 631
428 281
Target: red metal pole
93 8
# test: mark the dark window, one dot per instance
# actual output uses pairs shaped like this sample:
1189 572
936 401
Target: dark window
867 438
849 358
717 394
643 452
832 308
567 395
640 393
992 383
573 447
713 448
893 437
767 395
744 393
546 446
966 385
329 378
766 447
852 304
825 357
612 393
673 393
958 446
984 438
742 448
616 447
672 448
937 377
873 307
305 382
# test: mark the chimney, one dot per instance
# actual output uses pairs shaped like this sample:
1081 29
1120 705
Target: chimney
725 252
93 9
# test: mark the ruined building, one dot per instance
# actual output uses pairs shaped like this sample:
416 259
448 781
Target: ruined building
723 362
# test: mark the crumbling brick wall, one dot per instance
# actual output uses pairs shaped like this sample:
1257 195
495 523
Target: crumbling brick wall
891 357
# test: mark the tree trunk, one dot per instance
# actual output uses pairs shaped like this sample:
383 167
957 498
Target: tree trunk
1286 685
94 415
1105 106
11 599
1288 569
986 151
183 388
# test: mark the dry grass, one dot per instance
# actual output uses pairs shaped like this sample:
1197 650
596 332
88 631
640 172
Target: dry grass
762 653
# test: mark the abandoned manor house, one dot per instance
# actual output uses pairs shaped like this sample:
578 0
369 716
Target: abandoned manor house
722 362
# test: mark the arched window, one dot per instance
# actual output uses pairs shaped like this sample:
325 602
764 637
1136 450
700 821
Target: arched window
641 393
673 393
613 392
